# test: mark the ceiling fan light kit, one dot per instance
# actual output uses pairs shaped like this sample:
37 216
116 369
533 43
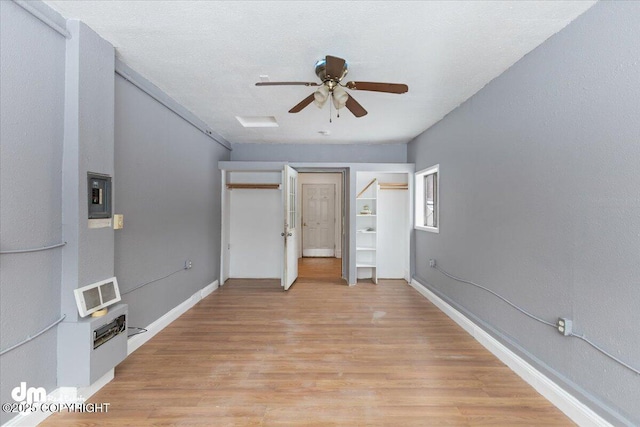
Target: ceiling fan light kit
331 71
320 96
339 97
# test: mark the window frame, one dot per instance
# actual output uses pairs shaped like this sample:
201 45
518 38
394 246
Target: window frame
421 196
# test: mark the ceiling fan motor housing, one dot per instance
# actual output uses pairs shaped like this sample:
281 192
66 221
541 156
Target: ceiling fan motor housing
321 72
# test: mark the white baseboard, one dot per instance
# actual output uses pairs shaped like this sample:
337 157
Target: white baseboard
60 395
208 290
137 341
318 253
563 400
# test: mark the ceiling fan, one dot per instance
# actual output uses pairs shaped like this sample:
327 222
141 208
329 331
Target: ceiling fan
331 71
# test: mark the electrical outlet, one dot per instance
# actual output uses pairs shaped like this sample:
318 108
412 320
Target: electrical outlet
432 263
564 326
188 264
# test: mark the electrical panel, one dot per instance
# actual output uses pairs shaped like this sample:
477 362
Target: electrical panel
99 195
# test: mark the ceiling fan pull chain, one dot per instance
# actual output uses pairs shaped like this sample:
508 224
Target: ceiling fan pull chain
330 108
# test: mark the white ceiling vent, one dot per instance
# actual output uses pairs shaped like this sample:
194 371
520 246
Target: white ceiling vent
258 121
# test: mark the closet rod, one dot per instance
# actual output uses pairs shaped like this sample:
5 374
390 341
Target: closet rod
394 186
254 186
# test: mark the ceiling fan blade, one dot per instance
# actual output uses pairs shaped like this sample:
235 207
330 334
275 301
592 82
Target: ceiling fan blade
355 107
287 84
379 87
334 67
308 100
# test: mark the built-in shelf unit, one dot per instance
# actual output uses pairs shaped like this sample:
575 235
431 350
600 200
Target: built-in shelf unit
367 231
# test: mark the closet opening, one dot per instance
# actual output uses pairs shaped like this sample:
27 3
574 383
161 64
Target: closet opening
383 226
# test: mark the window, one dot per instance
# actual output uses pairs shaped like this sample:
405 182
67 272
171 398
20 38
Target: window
428 199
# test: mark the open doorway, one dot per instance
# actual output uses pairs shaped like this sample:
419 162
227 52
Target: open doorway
321 212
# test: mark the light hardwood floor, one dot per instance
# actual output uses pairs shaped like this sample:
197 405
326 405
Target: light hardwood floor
321 354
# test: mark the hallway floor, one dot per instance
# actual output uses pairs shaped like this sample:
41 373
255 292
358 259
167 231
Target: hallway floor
319 268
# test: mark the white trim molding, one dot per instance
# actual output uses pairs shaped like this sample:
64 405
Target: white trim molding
327 253
419 199
46 15
138 340
563 400
208 290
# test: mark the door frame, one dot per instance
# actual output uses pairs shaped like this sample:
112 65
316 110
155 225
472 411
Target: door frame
303 203
342 217
335 178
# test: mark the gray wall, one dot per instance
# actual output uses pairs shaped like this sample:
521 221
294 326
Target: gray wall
32 60
539 202
58 104
167 185
88 147
341 153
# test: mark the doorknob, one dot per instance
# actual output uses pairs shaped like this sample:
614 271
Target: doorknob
289 234
282 234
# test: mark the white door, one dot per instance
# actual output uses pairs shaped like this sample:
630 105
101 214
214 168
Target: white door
290 200
318 220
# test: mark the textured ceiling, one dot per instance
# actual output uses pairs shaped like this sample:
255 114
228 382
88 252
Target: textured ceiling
208 55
